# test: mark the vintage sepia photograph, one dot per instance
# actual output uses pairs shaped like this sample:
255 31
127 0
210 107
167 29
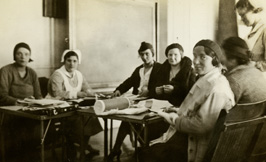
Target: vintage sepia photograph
133 81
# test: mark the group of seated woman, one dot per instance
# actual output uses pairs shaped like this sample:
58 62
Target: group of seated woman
198 94
18 81
218 81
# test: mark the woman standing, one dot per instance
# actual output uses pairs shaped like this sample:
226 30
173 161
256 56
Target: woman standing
175 77
252 13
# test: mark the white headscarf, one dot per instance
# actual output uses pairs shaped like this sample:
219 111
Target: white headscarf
76 51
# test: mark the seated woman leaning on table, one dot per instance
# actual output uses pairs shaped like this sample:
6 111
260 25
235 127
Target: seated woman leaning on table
143 81
176 76
192 124
68 83
17 82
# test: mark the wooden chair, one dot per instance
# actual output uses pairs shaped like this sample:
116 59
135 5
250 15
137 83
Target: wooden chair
237 134
43 85
259 152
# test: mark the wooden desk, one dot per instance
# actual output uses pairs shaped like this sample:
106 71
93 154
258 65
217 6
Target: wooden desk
131 119
40 118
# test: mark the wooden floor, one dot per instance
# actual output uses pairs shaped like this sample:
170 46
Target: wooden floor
127 148
97 143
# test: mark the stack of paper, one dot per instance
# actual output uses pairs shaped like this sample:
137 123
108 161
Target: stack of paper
45 102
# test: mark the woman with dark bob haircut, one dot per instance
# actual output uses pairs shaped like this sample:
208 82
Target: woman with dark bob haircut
175 77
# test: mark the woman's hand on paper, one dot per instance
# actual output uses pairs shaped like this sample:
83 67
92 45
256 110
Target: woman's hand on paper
90 93
168 89
170 109
117 93
81 94
169 117
30 97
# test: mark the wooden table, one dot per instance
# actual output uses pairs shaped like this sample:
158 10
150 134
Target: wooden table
40 118
142 119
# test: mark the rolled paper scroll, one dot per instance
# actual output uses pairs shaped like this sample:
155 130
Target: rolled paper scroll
119 103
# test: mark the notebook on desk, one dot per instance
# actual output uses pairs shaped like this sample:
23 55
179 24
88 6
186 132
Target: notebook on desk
43 102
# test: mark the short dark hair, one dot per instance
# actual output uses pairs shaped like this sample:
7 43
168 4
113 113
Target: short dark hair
69 54
240 61
244 4
211 53
172 46
236 48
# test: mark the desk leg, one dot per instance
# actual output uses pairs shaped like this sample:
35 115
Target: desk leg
111 135
105 139
82 153
146 133
42 143
136 146
2 138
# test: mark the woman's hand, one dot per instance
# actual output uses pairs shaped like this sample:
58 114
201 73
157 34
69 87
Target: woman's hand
259 66
159 90
81 94
144 91
90 93
117 93
169 117
168 89
31 98
170 109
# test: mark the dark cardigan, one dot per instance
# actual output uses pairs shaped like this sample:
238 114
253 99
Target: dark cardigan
134 80
182 82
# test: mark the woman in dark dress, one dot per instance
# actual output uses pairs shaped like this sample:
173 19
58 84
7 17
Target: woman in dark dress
176 76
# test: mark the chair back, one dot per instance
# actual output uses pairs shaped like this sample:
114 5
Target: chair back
43 85
259 152
242 112
237 134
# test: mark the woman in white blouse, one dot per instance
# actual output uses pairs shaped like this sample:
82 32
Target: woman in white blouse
68 83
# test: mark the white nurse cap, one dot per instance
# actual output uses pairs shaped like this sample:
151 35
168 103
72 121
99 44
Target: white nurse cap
68 50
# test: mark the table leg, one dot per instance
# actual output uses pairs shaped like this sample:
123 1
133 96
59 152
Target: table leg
105 139
2 138
63 156
42 143
111 135
82 152
136 146
146 133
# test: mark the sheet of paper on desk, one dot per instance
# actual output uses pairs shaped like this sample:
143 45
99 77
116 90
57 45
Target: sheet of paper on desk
127 111
132 97
13 108
156 105
45 102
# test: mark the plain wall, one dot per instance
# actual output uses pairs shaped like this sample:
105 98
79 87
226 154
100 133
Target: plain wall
190 21
22 21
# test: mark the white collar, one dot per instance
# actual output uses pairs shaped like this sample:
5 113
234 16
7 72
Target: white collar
63 69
